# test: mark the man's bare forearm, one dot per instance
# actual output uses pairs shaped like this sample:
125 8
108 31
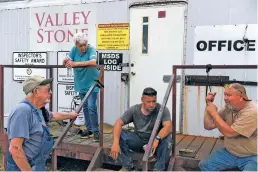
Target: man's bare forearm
208 121
86 63
61 116
165 131
117 131
20 158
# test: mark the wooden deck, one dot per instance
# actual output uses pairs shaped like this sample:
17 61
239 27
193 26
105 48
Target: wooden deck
203 146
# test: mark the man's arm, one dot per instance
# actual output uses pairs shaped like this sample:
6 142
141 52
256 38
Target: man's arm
126 118
223 127
18 154
208 121
117 131
63 115
91 62
165 130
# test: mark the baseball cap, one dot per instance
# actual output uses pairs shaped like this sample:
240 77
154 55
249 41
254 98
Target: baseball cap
239 88
34 81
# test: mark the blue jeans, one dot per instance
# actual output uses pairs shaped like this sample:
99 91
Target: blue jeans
90 112
131 142
223 160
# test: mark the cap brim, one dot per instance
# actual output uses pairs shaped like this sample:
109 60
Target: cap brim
46 81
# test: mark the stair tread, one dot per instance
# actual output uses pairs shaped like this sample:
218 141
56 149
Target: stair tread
102 169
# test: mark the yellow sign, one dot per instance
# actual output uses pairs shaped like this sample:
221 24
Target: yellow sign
113 36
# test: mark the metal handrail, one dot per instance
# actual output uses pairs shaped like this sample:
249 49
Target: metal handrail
157 124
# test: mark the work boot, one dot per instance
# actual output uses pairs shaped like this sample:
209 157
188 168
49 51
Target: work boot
96 136
86 134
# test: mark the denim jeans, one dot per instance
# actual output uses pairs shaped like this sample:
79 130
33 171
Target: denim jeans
131 142
223 160
90 112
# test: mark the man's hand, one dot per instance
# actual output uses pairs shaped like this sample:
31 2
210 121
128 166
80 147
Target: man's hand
115 150
210 97
73 115
70 64
154 146
65 61
211 108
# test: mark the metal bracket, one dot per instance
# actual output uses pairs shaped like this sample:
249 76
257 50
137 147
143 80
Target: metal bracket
188 153
166 78
125 77
99 84
201 80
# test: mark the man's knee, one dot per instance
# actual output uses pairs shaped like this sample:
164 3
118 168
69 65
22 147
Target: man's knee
123 136
251 166
166 143
203 165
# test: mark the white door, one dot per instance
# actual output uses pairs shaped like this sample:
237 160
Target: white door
156 44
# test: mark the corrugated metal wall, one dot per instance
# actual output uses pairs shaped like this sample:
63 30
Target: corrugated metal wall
14 35
212 12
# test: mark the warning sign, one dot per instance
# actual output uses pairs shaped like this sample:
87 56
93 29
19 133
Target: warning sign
111 61
28 58
65 93
63 74
114 36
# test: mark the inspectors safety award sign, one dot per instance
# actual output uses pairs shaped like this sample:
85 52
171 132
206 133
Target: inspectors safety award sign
114 36
29 58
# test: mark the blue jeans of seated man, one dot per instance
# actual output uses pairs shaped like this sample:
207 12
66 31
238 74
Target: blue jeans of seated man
90 112
223 160
131 142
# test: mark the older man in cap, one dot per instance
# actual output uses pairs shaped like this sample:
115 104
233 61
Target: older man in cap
29 140
237 121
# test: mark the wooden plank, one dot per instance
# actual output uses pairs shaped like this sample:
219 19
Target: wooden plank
187 140
96 161
219 144
69 139
206 148
197 143
179 137
194 146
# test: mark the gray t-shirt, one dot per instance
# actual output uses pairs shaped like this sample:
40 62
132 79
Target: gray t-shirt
144 124
23 122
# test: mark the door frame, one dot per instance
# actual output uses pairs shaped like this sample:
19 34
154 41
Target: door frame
183 3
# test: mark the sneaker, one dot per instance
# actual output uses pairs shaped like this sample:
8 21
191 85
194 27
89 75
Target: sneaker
126 169
86 134
96 137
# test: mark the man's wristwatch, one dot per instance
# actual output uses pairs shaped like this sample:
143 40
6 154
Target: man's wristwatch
158 138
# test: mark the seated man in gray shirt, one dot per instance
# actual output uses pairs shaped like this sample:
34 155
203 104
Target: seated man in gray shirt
29 139
143 116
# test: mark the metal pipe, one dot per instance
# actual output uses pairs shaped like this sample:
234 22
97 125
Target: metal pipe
157 123
101 108
51 102
174 112
1 99
47 66
78 109
216 66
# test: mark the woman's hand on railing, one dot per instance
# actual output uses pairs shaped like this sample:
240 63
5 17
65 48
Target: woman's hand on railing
115 151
